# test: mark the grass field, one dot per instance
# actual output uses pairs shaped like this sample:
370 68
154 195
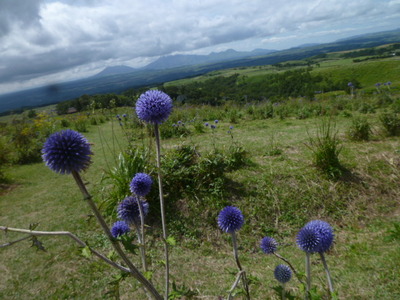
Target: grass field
278 192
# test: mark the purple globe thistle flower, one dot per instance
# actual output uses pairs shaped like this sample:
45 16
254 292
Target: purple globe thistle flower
124 115
230 127
378 84
119 228
141 184
326 234
179 122
128 210
213 126
174 125
230 219
216 121
206 124
350 84
389 83
154 107
67 151
282 273
309 239
268 245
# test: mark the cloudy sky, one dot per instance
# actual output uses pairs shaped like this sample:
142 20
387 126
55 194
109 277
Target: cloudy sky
48 41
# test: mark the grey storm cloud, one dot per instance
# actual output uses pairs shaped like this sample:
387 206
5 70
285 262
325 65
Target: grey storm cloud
18 12
43 37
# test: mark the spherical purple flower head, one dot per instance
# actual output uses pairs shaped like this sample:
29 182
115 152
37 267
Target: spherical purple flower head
389 83
154 107
206 124
119 228
66 151
326 234
141 184
268 245
230 127
230 219
378 84
213 126
282 273
350 84
128 210
216 121
309 239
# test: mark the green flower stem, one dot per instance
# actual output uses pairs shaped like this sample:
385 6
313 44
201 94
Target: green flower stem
328 274
291 266
141 236
243 273
283 291
163 222
133 270
308 272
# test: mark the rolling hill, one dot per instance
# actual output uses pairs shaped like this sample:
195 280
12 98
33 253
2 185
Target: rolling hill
119 78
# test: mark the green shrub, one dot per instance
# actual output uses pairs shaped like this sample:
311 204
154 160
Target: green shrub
325 149
366 108
81 124
65 123
119 177
5 152
391 123
360 130
178 129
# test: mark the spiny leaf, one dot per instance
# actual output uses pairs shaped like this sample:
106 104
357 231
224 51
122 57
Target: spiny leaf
38 244
86 252
33 226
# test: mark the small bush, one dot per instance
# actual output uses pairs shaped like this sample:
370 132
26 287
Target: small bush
391 123
325 149
128 164
80 124
360 130
5 152
179 129
65 123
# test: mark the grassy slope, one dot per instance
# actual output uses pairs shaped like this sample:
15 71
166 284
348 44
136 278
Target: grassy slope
362 264
367 72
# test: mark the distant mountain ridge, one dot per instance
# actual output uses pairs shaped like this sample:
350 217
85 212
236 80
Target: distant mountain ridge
180 60
115 70
120 78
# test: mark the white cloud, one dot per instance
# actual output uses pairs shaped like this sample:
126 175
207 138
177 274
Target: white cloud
50 37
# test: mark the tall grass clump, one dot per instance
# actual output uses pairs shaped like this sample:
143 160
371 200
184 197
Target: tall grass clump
360 129
325 148
391 123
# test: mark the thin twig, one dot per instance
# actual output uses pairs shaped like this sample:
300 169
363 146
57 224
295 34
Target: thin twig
243 275
234 285
61 233
14 242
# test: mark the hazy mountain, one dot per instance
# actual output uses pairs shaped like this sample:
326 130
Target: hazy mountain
119 78
114 70
180 60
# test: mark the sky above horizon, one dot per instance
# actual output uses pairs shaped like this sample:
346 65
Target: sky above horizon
48 41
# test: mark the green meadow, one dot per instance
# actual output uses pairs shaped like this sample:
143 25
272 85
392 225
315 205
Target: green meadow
268 165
